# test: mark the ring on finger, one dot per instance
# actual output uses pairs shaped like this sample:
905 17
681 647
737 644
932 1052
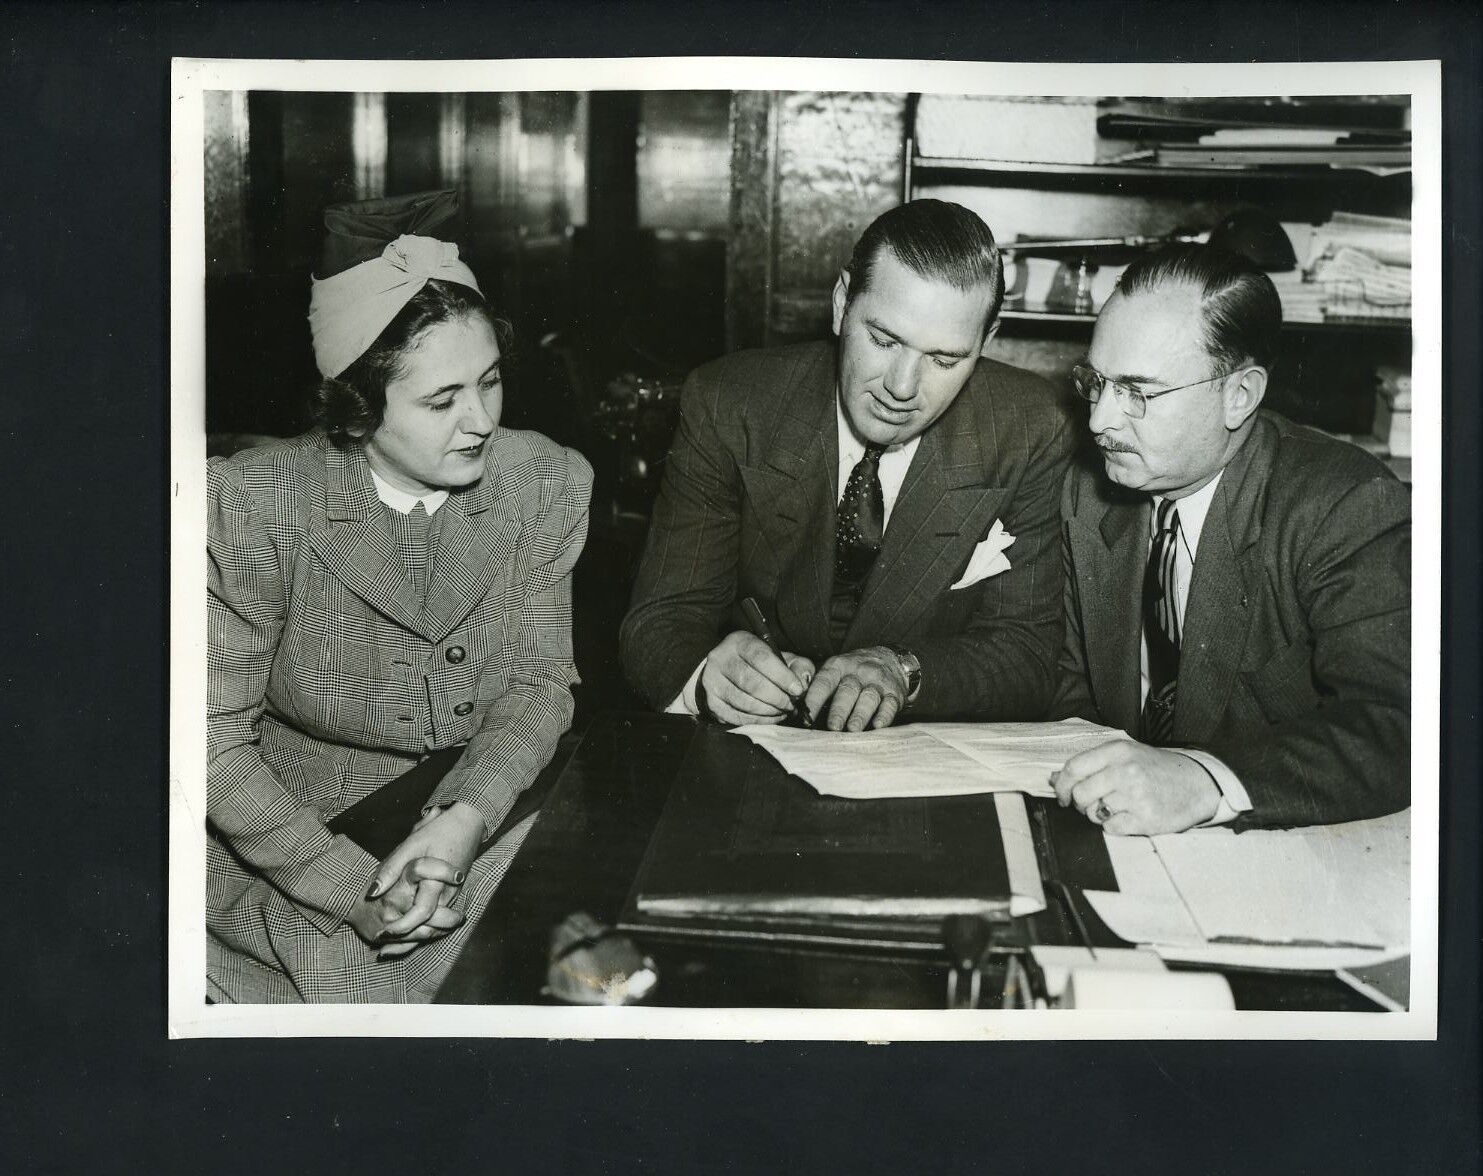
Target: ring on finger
1101 813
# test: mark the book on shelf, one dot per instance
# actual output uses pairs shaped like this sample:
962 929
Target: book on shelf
1386 239
1277 155
1265 136
1257 119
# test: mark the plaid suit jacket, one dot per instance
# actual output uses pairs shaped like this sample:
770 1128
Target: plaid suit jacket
325 668
1296 650
747 508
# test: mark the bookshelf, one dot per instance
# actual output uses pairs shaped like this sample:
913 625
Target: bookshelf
936 165
1326 374
1032 316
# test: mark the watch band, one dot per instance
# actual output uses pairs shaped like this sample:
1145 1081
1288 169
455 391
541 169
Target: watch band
911 667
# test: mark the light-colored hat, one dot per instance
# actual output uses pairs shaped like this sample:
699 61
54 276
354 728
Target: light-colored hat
375 262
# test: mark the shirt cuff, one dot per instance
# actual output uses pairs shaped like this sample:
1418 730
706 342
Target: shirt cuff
1233 797
685 702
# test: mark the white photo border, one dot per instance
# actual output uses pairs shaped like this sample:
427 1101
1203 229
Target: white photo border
188 1014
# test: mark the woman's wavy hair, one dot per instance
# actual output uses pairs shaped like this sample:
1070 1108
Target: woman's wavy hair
350 406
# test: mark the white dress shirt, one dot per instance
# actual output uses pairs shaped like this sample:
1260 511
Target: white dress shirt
894 463
1192 510
403 501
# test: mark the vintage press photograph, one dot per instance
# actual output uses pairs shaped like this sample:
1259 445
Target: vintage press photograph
720 548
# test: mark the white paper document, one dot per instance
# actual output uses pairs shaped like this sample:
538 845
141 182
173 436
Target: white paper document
1026 891
930 759
1146 907
1022 756
1321 897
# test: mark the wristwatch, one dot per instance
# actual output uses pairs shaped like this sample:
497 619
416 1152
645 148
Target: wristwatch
911 667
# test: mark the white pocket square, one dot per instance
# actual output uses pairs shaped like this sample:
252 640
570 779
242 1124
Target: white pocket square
988 557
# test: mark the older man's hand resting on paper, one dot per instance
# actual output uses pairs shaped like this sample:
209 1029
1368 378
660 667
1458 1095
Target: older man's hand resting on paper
1129 787
864 688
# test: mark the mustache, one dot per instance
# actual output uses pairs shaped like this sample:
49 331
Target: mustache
1114 446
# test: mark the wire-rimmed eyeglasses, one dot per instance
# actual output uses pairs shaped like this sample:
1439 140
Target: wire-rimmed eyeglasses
1089 383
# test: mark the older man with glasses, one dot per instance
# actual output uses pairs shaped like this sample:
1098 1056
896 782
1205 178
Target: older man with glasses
1237 587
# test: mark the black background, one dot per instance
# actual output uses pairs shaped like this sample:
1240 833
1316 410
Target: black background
88 1080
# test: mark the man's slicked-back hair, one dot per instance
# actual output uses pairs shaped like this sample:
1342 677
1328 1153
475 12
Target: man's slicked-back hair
1242 312
936 239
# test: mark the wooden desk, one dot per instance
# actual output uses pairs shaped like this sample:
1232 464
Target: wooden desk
584 851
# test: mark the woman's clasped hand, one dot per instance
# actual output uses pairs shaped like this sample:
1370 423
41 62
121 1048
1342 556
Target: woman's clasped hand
409 900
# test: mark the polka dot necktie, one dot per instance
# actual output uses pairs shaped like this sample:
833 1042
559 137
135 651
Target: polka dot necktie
860 520
1161 627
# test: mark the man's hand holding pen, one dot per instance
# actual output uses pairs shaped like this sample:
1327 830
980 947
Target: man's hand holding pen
745 681
747 678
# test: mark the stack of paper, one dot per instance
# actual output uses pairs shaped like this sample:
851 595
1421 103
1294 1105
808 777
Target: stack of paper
930 759
1302 301
1323 897
1363 265
1387 239
1352 267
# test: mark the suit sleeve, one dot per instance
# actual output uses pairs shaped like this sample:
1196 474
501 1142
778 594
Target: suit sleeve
286 842
517 734
1073 697
1350 759
687 578
1002 666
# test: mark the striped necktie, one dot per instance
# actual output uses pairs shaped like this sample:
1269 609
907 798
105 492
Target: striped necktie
1161 627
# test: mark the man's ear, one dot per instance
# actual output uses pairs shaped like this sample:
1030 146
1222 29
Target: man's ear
988 342
1244 396
841 296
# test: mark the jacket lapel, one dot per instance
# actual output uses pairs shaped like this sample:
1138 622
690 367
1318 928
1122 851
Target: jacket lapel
359 551
1218 615
473 546
355 544
1110 557
792 490
944 508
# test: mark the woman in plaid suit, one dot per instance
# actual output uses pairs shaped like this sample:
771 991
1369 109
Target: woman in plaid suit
393 582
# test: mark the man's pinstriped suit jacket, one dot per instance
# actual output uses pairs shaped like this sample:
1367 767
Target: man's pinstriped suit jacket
747 508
